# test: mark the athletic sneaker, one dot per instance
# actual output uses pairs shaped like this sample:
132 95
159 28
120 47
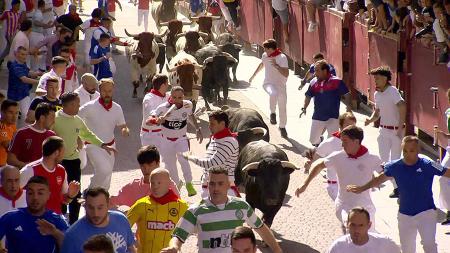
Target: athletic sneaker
312 26
273 118
190 189
283 132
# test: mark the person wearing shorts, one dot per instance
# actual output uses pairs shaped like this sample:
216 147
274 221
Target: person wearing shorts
282 10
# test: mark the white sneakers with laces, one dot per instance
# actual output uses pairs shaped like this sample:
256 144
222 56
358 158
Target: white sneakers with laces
312 26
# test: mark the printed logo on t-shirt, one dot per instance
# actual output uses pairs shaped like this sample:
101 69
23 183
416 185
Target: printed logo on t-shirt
218 242
437 166
419 170
117 239
28 142
19 228
175 124
59 180
158 225
173 212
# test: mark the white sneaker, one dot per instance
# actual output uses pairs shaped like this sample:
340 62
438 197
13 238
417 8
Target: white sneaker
238 28
312 26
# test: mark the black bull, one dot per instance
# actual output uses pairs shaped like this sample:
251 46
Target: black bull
264 171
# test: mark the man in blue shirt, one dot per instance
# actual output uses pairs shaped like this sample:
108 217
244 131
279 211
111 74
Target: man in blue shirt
100 56
310 74
327 91
21 80
34 228
99 220
414 175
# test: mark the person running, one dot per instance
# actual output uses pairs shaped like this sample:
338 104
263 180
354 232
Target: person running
61 191
88 27
102 116
243 240
99 220
70 127
51 97
151 134
58 69
12 195
33 228
12 17
26 145
155 228
353 165
101 58
143 10
417 213
148 159
215 218
173 117
223 150
327 147
359 239
88 89
9 112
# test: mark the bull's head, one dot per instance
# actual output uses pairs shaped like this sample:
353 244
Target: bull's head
167 11
175 27
272 177
192 40
253 134
186 74
144 48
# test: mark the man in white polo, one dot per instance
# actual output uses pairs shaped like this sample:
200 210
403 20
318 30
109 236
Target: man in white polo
88 89
102 116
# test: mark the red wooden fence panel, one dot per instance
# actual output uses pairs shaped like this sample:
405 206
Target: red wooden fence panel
360 63
314 42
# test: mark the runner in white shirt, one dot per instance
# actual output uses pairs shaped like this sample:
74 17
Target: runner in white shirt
49 16
327 147
359 239
88 28
12 195
37 35
151 134
21 40
353 164
391 108
88 89
275 78
59 65
173 116
102 116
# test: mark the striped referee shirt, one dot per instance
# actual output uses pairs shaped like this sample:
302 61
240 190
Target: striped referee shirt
12 23
223 150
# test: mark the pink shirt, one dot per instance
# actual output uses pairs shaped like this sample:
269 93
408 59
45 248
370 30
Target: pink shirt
131 192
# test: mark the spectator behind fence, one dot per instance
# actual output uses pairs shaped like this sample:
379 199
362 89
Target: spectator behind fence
282 9
311 6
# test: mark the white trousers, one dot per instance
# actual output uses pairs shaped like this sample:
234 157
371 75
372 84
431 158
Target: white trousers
149 138
342 210
171 151
111 29
389 145
143 16
318 127
103 164
278 97
444 182
425 224
24 105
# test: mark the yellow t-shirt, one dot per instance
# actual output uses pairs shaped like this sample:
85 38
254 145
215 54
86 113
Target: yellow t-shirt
155 222
6 134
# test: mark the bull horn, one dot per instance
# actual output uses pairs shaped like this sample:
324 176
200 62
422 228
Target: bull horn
162 34
187 22
250 166
179 35
259 130
225 107
203 34
195 19
164 24
230 57
238 46
208 60
216 17
131 35
287 164
171 69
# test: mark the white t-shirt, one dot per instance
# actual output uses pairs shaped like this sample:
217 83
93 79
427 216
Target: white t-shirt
48 16
86 96
352 171
149 104
102 122
438 32
6 205
279 5
327 147
386 102
272 75
20 40
175 125
43 81
377 244
37 16
88 31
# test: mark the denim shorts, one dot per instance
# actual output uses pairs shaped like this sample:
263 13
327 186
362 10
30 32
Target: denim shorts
284 15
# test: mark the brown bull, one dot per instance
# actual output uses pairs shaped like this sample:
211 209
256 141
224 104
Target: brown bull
175 27
205 24
190 41
163 11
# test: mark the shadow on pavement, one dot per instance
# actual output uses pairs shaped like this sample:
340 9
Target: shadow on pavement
240 85
289 246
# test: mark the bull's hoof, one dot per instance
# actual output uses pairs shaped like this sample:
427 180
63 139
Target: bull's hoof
134 93
235 81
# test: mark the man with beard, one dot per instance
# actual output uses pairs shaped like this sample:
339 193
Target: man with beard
101 117
42 229
88 89
61 192
99 220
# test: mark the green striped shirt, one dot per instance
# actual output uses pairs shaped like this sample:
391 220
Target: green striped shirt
214 224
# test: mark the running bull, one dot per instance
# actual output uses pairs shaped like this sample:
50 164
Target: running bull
190 41
264 171
227 43
163 11
142 56
175 27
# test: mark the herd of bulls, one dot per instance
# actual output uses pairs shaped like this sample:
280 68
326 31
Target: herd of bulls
199 60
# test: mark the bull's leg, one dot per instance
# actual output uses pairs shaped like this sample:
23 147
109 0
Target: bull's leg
225 93
234 69
194 105
148 84
219 99
135 86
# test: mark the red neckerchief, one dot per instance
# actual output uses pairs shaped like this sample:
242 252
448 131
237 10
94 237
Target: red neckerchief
156 92
337 134
224 133
106 106
94 23
169 197
13 200
171 103
275 53
361 151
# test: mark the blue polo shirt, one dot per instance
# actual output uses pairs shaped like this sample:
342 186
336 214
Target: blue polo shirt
22 235
414 184
332 69
101 69
17 90
327 97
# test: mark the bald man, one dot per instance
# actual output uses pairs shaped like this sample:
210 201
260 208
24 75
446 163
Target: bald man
155 228
88 89
11 195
